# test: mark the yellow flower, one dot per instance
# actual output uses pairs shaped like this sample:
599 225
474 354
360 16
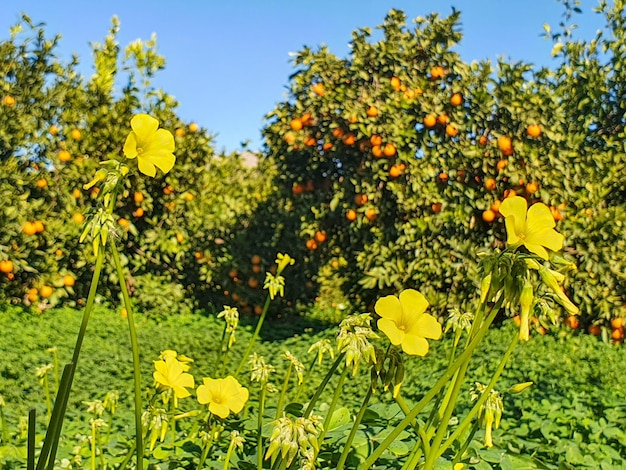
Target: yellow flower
170 373
222 395
151 146
533 229
283 260
405 323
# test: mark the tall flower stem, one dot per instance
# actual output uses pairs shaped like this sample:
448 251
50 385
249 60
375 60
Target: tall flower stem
259 439
333 404
255 336
51 441
322 385
283 391
353 431
135 351
443 380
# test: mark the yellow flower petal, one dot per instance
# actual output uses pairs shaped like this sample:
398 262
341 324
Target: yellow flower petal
130 146
537 249
146 167
144 126
515 206
427 326
549 238
538 218
164 161
415 345
512 238
162 140
413 302
219 409
391 330
389 307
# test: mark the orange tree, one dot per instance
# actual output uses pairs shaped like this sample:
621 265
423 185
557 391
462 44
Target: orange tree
55 128
401 153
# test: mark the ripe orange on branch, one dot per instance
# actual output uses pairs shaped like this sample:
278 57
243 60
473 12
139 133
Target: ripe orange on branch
437 72
318 89
456 99
534 130
372 111
6 266
430 120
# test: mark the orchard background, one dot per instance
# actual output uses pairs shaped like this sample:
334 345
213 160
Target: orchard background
381 170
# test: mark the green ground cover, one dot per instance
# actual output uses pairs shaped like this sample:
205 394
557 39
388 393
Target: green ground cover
572 417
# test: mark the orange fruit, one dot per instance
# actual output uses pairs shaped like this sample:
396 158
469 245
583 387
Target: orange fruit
54 130
395 171
517 319
436 207
353 119
32 295
306 119
376 140
389 150
318 89
532 188
310 141
377 151
409 94
39 227
297 188
256 259
437 72
430 121
76 193
139 212
188 197
232 273
179 237
351 215
617 334
327 146
501 165
456 99
443 119
76 135
42 183
296 124
396 83
180 132
496 206
320 237
349 139
68 280
573 322
443 177
193 127
138 197
29 228
556 214
258 310
505 145
9 101
168 190
483 140
45 291
534 130
451 130
78 218
510 193
338 132
360 199
290 138
489 216
6 266
311 244
64 156
372 111
370 214
490 184
595 330
617 323
122 222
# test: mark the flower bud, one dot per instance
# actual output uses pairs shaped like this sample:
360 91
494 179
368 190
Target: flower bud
526 302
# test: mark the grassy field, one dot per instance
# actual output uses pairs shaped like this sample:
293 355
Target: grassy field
572 417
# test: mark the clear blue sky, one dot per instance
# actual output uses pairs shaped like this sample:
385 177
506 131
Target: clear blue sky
228 61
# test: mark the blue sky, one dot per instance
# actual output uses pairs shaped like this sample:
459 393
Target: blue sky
228 61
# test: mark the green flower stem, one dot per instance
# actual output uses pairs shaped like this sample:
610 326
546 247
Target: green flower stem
443 380
355 427
32 421
414 457
255 336
51 441
55 362
406 410
283 391
463 425
333 404
221 354
322 385
46 387
442 428
206 448
135 351
93 444
259 427
229 454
